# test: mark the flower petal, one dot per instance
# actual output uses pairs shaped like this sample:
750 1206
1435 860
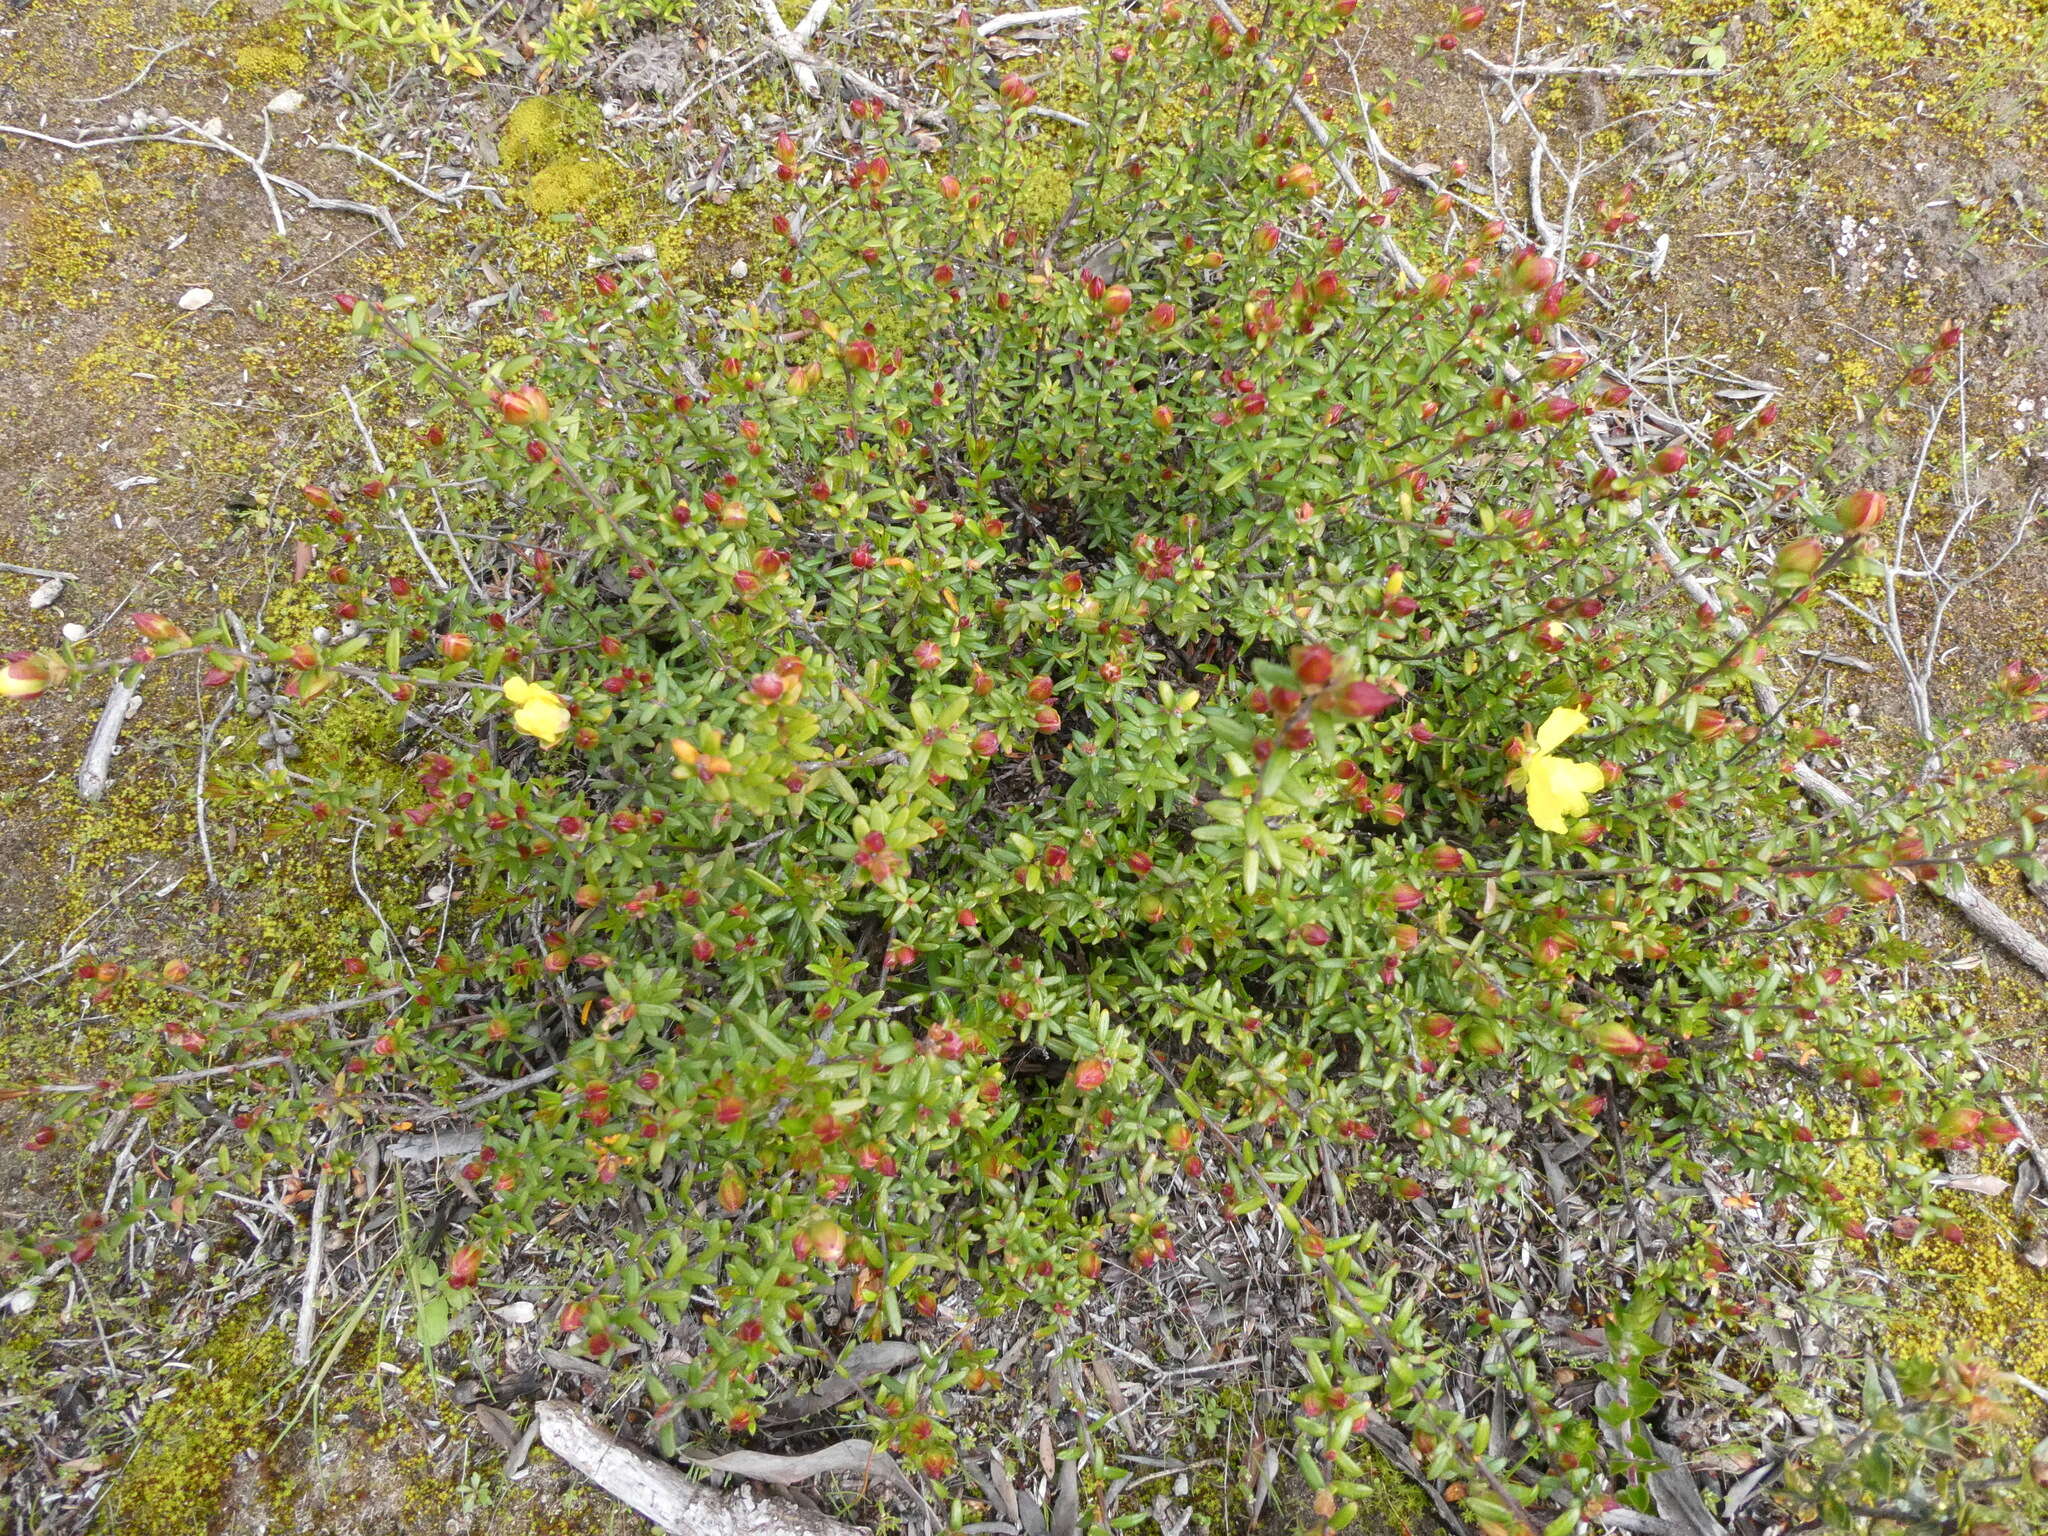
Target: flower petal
542 717
1562 725
517 689
1558 789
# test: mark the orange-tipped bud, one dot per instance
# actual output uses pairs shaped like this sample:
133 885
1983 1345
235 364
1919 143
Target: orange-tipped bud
1802 557
1533 273
158 630
525 406
1859 511
1618 1039
24 677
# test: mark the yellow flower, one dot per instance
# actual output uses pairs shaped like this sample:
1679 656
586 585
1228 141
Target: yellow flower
539 713
1556 786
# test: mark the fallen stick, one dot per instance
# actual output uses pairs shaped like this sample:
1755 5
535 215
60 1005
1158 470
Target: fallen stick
316 1254
95 771
37 570
1604 71
790 46
1016 19
204 139
653 1488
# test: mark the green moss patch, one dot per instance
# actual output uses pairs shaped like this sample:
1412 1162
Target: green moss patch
174 1483
266 64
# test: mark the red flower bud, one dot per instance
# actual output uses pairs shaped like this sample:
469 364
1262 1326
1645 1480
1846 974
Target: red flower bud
25 677
1363 700
158 630
1313 664
2017 682
1859 511
1802 557
1618 1039
1533 273
525 406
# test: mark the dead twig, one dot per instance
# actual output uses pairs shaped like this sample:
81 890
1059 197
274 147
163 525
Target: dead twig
198 136
1604 71
96 769
154 59
446 199
302 1343
1015 19
37 570
199 792
392 502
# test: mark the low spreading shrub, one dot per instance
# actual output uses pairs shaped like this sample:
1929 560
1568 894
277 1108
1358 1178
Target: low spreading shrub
1045 720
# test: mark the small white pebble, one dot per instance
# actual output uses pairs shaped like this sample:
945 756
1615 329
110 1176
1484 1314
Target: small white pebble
73 633
195 298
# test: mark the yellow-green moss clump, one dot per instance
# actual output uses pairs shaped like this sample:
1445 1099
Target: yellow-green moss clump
571 186
554 138
174 1482
267 64
542 129
60 246
1974 1298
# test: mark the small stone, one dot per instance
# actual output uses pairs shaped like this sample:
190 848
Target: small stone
73 633
2035 1254
286 101
46 594
195 298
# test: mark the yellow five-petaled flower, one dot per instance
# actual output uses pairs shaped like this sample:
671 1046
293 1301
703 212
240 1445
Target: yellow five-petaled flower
1556 786
539 713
